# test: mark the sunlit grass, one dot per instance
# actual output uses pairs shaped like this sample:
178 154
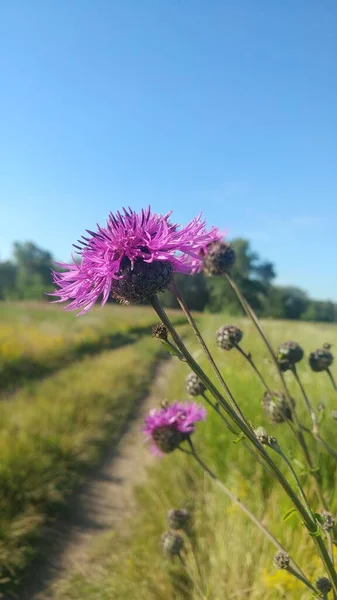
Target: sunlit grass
231 558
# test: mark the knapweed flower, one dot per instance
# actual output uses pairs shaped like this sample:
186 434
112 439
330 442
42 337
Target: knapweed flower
228 336
288 354
281 560
178 518
132 258
172 543
218 256
194 386
276 407
323 585
169 426
321 359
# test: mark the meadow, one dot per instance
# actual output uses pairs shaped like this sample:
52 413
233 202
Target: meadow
70 385
225 556
67 389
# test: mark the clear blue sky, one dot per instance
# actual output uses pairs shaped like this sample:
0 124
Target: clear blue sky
224 106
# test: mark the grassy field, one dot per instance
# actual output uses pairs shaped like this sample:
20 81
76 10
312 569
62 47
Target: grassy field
227 557
52 428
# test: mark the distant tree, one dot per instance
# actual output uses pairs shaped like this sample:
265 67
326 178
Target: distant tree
33 270
8 273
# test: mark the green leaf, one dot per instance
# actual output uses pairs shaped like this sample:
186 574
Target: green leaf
289 514
239 439
172 350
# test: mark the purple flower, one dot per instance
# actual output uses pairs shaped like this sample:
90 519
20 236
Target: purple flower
170 426
132 258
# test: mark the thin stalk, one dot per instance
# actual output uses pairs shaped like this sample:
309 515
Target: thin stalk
321 441
307 401
331 377
274 445
248 357
301 578
233 498
248 432
299 435
205 349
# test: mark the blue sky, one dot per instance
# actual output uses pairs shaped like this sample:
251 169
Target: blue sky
224 106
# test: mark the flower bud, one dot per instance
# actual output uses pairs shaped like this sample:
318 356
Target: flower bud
281 560
323 585
276 407
329 520
228 336
194 385
262 435
159 331
288 354
219 258
178 518
320 360
172 543
167 438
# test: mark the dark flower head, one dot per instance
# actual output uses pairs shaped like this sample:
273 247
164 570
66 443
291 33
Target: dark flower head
281 560
288 354
323 585
194 385
276 407
172 543
228 337
178 518
132 258
321 359
262 435
328 520
160 331
219 257
169 426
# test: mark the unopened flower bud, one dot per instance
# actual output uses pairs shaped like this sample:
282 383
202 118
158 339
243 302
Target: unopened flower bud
262 435
281 560
159 331
194 385
172 543
320 360
288 354
276 407
178 518
228 336
219 258
323 585
329 520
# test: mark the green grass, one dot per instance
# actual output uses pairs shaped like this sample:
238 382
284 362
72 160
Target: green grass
37 339
52 430
229 558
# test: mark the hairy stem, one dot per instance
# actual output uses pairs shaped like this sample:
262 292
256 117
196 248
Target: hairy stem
249 358
307 401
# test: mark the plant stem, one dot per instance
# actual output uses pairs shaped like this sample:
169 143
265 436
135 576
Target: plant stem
307 519
331 377
206 351
298 433
301 578
307 401
233 498
248 357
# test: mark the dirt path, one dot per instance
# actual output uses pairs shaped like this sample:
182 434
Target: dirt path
103 502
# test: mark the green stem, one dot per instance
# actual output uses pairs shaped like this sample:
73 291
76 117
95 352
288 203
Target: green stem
331 377
235 500
307 519
301 578
307 401
205 349
248 357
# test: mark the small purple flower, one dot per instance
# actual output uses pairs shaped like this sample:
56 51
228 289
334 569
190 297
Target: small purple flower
132 258
170 426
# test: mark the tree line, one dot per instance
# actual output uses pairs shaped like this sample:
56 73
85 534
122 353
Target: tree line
28 276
